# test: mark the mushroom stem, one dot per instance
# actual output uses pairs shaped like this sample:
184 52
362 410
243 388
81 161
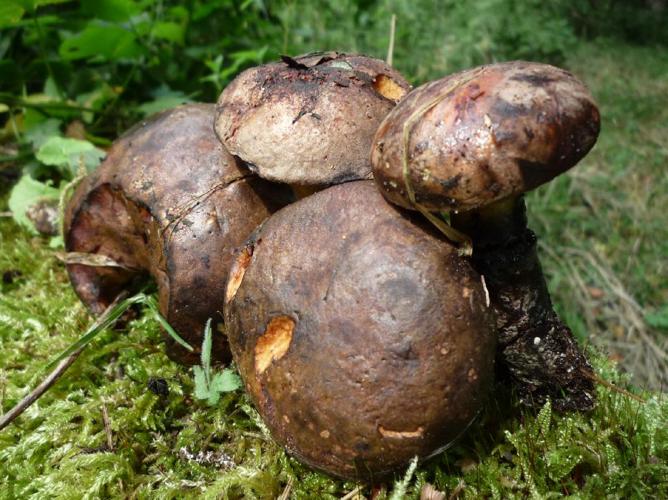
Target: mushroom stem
536 348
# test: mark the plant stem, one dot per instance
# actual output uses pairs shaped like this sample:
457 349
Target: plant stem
36 393
42 43
57 372
17 102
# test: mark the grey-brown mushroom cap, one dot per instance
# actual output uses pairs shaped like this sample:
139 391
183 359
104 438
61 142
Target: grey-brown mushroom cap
308 120
484 134
361 335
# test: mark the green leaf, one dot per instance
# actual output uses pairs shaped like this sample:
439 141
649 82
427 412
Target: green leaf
10 13
108 320
201 385
225 381
110 10
153 306
658 319
26 193
170 31
206 349
67 154
31 5
104 41
41 132
51 88
164 98
208 386
56 242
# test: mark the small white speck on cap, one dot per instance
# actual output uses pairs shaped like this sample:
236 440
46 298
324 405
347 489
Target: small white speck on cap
536 340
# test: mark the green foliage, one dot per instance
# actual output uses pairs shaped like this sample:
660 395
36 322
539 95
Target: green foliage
69 155
109 320
401 486
208 385
27 193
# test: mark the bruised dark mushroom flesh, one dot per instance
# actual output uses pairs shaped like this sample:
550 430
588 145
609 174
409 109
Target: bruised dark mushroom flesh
363 338
168 203
471 144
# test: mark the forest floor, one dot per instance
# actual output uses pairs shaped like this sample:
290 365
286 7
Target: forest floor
603 235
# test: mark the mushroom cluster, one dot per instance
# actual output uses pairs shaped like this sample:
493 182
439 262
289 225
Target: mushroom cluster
366 319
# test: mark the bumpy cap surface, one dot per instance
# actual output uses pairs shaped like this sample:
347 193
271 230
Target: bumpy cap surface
361 335
484 134
308 120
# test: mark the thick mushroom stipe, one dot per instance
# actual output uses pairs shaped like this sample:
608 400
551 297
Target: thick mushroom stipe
168 203
308 120
535 347
362 337
484 134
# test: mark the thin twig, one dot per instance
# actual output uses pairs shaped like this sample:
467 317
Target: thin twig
390 46
107 427
17 102
351 493
53 377
183 210
595 378
26 402
286 492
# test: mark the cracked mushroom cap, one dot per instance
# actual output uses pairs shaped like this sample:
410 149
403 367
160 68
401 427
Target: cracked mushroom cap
361 335
168 203
308 120
483 135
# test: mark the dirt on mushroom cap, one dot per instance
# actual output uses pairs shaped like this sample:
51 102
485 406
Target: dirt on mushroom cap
170 203
484 134
310 119
362 337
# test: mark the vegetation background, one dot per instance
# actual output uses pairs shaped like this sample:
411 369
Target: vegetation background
73 75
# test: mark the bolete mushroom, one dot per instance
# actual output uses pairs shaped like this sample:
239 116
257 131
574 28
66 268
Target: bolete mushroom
363 338
471 144
308 121
170 203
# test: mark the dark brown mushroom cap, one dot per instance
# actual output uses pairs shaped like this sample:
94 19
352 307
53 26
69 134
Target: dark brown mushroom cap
308 120
485 134
169 202
361 335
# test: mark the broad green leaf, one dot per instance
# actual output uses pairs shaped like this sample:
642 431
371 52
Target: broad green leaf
10 13
110 10
225 381
41 132
170 31
105 41
164 98
66 154
26 193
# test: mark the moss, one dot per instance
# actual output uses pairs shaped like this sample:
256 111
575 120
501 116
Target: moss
60 445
